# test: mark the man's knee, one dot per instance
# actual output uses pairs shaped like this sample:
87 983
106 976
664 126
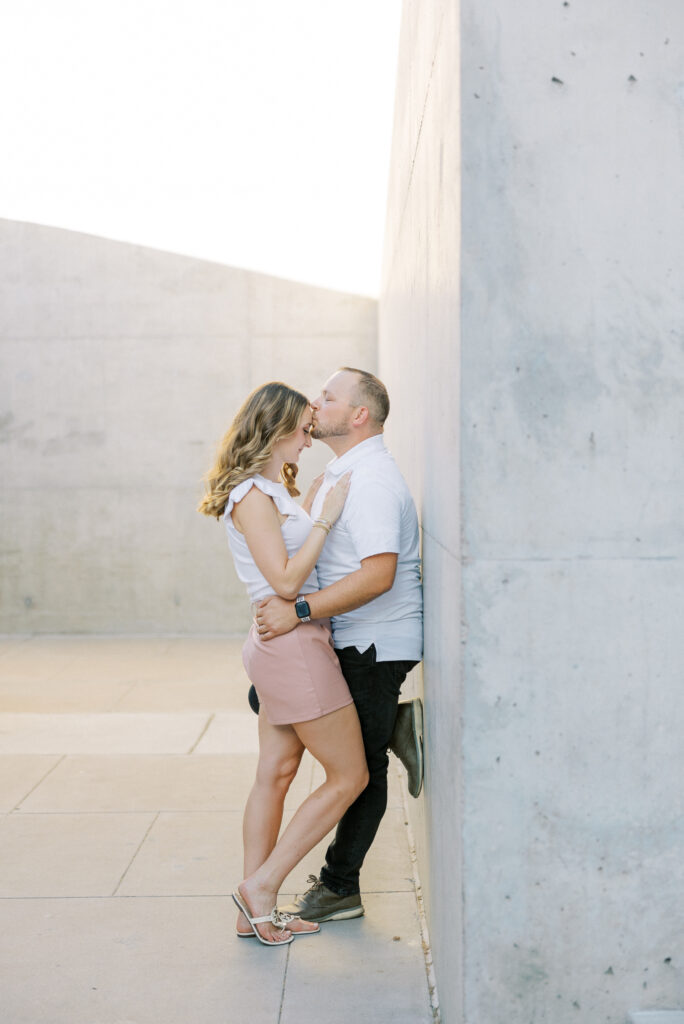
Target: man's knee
378 763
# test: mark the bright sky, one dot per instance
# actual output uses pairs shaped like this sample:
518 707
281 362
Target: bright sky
251 132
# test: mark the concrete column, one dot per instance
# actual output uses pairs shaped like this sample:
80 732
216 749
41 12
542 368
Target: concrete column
544 331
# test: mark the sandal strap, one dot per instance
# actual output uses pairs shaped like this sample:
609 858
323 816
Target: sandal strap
274 918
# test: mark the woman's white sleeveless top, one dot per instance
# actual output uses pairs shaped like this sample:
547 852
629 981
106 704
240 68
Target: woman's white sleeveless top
295 530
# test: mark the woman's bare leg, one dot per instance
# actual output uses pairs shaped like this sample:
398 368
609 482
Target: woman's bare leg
334 740
280 753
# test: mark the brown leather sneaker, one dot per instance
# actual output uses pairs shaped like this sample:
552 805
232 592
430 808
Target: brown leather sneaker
322 904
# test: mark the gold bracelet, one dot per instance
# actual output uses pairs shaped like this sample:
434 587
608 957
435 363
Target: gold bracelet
324 523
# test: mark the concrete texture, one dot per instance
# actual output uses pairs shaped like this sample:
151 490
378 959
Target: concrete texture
120 369
420 363
657 1017
532 291
117 866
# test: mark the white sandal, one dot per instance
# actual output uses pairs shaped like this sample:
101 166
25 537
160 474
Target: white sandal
273 918
286 918
283 920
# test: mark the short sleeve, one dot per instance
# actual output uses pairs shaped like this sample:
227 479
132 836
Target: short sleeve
237 494
286 505
372 517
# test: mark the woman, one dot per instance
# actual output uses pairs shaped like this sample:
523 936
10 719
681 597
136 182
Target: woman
304 698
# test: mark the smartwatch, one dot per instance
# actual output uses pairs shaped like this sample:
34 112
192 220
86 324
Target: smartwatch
302 609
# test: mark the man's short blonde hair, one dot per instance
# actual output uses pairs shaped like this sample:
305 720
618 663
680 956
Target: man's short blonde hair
371 392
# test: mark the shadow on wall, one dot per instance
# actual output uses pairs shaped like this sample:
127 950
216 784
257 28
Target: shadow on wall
121 368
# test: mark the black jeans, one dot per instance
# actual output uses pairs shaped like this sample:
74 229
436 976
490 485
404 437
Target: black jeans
375 686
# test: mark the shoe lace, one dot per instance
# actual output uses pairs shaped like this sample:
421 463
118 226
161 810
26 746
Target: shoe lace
314 884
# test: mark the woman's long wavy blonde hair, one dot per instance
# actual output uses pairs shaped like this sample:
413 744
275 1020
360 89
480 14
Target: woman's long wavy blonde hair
269 414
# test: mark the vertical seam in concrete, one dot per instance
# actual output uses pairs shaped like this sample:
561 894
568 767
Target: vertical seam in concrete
422 919
282 991
414 155
137 851
462 643
461 667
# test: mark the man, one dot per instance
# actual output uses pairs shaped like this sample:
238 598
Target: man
369 573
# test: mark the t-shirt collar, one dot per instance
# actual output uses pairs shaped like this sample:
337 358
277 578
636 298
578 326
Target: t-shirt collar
341 463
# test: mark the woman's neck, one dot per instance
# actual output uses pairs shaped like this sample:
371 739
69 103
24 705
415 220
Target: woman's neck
272 470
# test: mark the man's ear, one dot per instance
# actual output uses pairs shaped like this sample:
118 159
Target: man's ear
361 416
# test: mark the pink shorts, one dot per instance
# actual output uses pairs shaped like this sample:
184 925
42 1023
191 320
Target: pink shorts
297 675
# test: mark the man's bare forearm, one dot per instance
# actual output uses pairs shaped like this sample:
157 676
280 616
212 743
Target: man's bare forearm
376 576
354 590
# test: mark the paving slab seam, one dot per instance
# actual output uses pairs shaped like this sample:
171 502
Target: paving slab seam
121 698
203 733
424 934
282 991
17 807
168 896
139 848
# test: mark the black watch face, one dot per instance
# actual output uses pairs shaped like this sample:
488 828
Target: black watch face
302 609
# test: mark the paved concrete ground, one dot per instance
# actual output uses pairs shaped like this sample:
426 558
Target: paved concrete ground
124 767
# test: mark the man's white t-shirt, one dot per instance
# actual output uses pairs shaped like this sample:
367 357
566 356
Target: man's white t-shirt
379 516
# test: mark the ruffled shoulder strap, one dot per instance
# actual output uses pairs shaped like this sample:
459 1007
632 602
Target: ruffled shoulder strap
283 502
237 494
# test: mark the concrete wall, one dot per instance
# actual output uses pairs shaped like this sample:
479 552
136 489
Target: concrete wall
548 335
420 362
121 367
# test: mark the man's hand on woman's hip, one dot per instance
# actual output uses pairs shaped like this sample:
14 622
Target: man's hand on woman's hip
275 616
